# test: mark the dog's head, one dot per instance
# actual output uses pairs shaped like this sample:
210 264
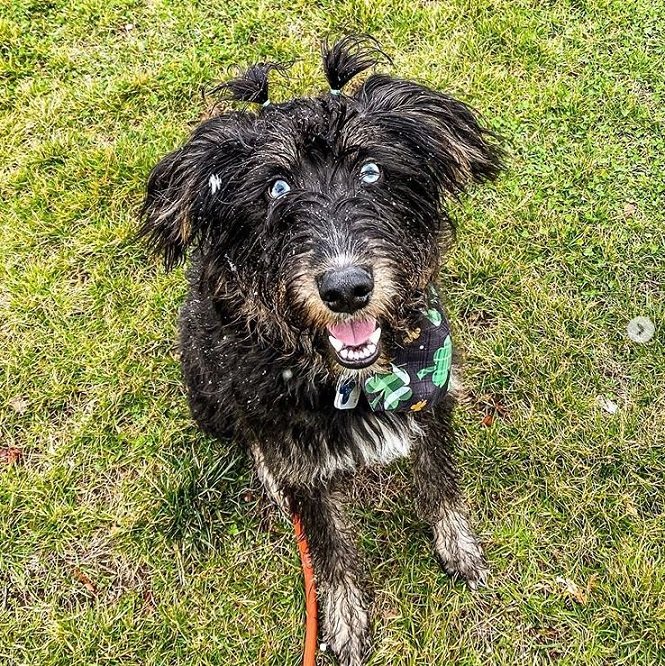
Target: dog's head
321 216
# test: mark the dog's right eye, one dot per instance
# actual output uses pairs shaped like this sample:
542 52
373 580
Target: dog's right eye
279 188
370 173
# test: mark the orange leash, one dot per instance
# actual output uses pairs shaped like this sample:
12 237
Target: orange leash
311 629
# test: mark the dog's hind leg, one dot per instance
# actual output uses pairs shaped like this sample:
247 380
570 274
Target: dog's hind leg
342 600
440 503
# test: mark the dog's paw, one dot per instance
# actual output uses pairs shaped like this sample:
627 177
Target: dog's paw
458 550
347 625
355 652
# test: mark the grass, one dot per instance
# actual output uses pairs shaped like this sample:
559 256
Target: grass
126 537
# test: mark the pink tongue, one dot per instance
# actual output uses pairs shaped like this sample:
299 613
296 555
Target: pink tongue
353 333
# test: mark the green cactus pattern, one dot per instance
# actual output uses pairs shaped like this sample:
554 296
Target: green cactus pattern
391 388
442 361
434 316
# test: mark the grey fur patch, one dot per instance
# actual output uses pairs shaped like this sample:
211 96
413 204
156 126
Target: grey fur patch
268 480
381 442
459 550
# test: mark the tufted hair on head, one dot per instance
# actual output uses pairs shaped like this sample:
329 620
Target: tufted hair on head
251 85
349 57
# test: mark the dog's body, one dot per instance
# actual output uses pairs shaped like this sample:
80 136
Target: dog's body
317 226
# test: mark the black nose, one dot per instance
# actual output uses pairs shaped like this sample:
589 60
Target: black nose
346 289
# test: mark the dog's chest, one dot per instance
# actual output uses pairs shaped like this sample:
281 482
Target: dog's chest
381 440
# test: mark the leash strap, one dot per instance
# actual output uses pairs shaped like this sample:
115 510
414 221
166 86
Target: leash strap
311 611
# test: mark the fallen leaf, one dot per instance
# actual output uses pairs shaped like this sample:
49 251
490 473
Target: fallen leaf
493 408
10 455
606 404
487 421
82 578
629 209
19 404
573 590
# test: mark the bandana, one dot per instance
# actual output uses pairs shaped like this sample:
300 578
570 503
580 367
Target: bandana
419 372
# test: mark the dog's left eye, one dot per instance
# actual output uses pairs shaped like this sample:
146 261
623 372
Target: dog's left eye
279 188
370 173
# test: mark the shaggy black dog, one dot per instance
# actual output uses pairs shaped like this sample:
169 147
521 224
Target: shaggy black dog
312 332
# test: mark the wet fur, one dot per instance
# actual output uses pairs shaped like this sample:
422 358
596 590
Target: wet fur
253 339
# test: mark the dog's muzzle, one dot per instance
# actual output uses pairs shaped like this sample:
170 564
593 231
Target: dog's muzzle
347 290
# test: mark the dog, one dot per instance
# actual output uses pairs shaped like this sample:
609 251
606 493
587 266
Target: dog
312 333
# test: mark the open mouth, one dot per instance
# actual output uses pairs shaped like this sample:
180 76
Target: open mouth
355 342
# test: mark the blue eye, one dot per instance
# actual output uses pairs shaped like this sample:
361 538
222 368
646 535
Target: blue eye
279 188
370 173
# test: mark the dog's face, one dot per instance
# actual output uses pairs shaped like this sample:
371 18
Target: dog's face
322 215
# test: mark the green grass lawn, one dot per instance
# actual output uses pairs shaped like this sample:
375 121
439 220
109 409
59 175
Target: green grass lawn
127 537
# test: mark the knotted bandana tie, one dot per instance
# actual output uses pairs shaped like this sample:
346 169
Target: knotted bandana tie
419 373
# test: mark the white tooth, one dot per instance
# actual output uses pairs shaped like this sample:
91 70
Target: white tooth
344 353
371 349
337 344
374 338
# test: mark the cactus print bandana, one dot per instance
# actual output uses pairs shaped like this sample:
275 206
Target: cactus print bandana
419 373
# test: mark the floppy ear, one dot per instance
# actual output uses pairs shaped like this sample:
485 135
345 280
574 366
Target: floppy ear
184 189
445 132
188 193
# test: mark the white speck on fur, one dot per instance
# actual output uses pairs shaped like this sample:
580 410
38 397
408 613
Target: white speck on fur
215 183
232 266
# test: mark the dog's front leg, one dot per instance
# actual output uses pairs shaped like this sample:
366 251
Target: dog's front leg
440 503
342 599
